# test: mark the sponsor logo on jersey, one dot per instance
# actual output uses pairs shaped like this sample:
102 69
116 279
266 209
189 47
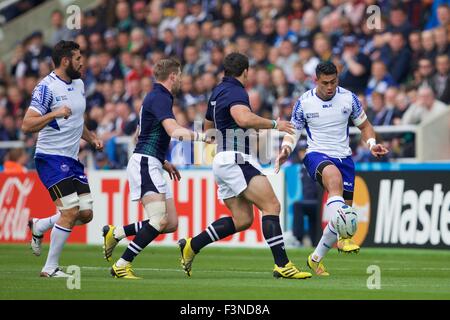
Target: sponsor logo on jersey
61 98
70 89
327 105
312 115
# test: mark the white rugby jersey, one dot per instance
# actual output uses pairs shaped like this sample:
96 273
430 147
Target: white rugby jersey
61 136
326 122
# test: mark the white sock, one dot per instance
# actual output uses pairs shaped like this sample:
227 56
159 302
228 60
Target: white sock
58 238
42 225
122 263
119 233
329 236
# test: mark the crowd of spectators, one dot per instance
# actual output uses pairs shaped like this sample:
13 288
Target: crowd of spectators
397 63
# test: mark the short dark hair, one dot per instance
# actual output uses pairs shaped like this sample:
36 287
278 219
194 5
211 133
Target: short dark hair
234 64
165 67
398 33
63 49
325 67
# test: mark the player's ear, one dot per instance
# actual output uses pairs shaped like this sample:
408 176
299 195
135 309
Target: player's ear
65 61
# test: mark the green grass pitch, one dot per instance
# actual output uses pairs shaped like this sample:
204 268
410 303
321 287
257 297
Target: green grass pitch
228 274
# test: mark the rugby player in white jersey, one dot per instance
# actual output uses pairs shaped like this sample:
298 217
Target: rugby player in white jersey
56 111
324 112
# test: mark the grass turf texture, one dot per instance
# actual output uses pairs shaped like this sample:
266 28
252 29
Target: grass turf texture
229 274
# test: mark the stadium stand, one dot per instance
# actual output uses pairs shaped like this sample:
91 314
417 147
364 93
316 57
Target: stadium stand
390 67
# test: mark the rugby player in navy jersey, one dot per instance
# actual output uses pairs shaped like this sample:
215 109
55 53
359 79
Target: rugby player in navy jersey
157 125
238 175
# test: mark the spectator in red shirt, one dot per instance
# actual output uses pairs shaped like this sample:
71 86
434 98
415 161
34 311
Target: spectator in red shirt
140 69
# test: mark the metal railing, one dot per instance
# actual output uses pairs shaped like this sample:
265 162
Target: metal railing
129 143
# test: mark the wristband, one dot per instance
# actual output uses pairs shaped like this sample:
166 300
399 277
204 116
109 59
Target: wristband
274 124
371 142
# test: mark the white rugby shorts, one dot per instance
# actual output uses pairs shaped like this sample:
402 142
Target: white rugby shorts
146 176
233 172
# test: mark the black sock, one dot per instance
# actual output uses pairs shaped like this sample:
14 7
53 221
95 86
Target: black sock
272 233
219 229
133 228
142 239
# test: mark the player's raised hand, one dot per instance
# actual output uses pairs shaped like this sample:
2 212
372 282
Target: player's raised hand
174 174
282 157
285 126
379 150
63 112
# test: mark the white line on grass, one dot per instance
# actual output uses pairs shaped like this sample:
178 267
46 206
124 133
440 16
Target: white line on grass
262 272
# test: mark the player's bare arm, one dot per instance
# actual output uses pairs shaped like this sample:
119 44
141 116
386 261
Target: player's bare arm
247 119
92 139
176 131
33 121
287 146
368 136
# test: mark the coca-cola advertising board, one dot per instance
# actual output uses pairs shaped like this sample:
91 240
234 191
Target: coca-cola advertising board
23 196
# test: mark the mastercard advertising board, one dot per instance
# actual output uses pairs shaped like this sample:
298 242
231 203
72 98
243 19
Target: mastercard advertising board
401 209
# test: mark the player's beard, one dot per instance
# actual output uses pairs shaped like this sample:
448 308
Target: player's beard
72 73
176 87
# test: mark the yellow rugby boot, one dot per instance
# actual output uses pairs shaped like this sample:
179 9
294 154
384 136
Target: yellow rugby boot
109 242
317 267
290 271
347 246
187 255
125 272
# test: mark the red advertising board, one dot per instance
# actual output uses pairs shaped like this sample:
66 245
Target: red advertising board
23 196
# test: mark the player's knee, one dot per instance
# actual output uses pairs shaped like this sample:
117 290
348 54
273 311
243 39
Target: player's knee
334 184
276 207
70 216
84 217
157 215
273 207
172 226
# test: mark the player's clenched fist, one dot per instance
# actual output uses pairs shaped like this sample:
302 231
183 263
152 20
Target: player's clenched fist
63 112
